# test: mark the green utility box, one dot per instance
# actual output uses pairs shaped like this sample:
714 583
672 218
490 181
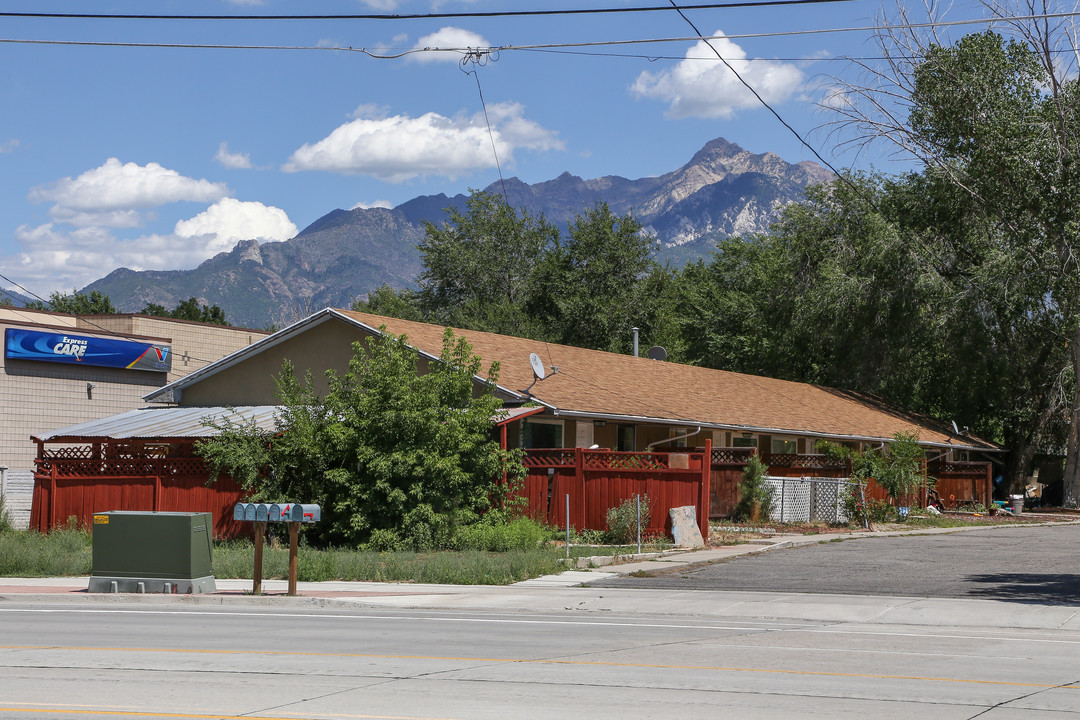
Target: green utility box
152 552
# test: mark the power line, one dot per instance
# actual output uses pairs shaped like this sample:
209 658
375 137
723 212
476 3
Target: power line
478 58
558 46
415 16
844 178
82 318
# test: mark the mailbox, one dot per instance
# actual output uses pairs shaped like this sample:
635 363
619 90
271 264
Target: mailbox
306 512
277 512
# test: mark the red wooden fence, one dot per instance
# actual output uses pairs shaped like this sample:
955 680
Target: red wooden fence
70 484
597 480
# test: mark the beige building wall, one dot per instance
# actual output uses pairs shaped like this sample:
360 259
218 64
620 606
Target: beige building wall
36 397
252 382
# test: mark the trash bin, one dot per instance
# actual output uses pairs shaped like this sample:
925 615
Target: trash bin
1017 504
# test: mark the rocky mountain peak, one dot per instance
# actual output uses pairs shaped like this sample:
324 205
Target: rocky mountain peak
723 190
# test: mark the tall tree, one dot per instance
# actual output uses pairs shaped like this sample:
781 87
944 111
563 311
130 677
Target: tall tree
479 266
189 309
996 119
76 303
594 285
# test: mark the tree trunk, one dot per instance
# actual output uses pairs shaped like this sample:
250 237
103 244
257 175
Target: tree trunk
1071 481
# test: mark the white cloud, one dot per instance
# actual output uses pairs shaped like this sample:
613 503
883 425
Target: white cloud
9 146
385 5
445 38
400 147
231 160
701 86
228 221
54 258
386 204
119 186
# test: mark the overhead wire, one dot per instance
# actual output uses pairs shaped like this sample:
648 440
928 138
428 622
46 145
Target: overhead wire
557 46
548 47
82 318
859 192
415 16
479 58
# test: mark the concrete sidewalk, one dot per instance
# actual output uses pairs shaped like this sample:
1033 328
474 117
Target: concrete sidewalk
569 592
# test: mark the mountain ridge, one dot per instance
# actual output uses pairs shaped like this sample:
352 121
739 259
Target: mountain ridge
723 190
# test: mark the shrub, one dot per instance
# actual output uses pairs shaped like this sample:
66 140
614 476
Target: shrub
517 534
622 520
5 522
755 494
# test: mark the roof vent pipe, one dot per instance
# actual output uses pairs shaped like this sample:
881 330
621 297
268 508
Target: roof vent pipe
635 341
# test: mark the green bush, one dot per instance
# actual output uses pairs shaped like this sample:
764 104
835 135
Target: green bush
5 521
517 534
622 520
755 495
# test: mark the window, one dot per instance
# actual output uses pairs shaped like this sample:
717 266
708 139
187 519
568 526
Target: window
781 446
743 442
627 438
543 435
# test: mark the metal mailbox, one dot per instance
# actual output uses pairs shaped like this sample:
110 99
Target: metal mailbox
306 512
277 512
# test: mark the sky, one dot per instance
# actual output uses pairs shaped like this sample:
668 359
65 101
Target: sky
123 153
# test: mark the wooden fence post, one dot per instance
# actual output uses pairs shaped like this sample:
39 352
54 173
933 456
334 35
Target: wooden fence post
706 477
579 486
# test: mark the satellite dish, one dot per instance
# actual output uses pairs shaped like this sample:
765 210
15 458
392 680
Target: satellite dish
537 366
657 353
955 430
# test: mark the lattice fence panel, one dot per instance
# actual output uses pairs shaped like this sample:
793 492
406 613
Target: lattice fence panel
808 499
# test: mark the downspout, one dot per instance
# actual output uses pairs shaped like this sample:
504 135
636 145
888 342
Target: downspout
668 440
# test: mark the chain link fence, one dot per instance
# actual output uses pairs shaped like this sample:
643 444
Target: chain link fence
809 499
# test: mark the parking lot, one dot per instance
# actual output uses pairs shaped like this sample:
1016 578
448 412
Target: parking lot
1018 563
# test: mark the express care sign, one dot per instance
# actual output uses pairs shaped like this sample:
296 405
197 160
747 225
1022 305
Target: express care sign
85 350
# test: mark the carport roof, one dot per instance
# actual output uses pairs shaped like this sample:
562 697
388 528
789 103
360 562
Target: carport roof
190 422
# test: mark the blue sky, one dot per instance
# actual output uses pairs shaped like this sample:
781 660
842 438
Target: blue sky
159 158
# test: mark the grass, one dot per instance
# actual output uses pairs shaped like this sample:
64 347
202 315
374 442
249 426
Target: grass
69 553
462 567
31 554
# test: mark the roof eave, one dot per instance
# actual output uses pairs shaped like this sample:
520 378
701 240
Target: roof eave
584 414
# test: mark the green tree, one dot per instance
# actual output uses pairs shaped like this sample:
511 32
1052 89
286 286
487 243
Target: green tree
594 285
995 119
899 468
479 266
390 302
189 309
494 269
833 294
76 303
400 452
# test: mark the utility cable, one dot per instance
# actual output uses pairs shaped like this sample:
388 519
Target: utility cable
480 58
557 46
414 16
843 177
82 318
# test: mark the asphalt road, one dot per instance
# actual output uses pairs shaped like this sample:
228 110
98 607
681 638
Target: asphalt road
76 660
1021 564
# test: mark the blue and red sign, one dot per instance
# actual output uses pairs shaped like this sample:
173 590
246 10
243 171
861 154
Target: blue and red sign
85 350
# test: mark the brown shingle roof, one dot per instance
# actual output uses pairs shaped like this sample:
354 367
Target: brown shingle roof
602 383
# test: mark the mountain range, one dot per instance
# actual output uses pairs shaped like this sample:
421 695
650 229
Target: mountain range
723 190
